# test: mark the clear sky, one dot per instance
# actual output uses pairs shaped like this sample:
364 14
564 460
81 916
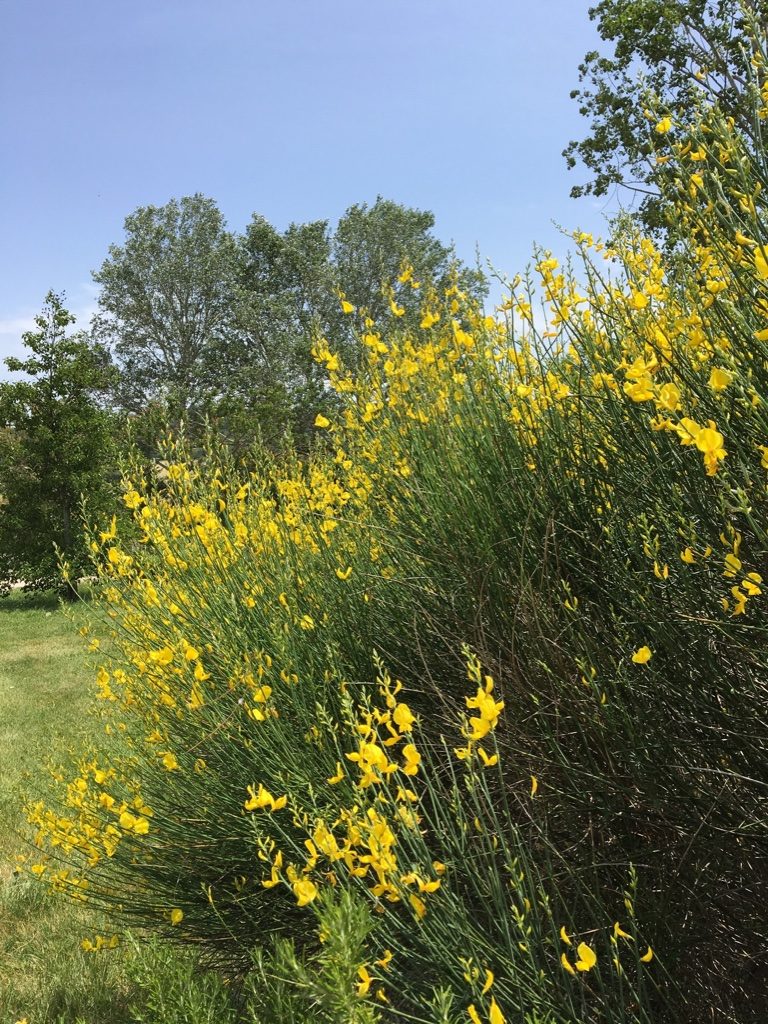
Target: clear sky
294 109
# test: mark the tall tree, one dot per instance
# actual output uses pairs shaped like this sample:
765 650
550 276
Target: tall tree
167 304
677 50
372 243
284 299
55 449
208 324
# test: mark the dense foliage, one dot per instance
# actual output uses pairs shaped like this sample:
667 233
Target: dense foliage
463 716
206 325
682 53
56 449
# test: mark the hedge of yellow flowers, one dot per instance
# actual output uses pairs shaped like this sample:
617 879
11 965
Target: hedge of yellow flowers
492 662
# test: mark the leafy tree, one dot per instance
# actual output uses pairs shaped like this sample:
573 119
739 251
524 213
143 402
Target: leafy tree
167 304
285 297
208 325
55 450
370 246
678 50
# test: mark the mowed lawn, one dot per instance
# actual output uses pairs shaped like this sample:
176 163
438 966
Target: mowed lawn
45 695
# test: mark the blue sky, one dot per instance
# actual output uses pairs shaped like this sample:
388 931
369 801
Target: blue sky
294 110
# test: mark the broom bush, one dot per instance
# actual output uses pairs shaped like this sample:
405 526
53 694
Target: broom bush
463 718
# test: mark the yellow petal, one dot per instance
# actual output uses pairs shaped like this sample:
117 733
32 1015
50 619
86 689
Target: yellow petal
647 956
488 981
495 1016
642 655
566 964
587 957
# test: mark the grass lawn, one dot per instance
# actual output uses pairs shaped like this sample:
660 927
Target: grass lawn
45 693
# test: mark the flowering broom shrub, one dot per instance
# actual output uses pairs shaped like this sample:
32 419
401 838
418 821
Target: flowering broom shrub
488 674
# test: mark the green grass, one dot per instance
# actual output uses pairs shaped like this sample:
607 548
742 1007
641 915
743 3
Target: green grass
45 688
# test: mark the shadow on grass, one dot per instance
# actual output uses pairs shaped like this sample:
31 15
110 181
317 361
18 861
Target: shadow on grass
41 600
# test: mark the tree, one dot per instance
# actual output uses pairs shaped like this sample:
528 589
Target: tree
285 298
209 325
682 50
55 451
290 283
370 246
167 304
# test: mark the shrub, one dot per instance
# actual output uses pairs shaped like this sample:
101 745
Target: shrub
555 538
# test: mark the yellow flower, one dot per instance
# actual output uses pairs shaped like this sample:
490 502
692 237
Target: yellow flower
566 963
489 979
162 657
111 533
488 762
365 981
638 300
386 959
131 823
274 879
668 397
587 957
412 759
534 785
176 916
403 717
751 583
344 574
473 1015
719 379
732 565
304 890
564 936
200 674
761 266
709 441
132 499
647 956
347 307
169 761
619 932
664 125
642 655
495 1016
419 907
321 422
263 799
338 776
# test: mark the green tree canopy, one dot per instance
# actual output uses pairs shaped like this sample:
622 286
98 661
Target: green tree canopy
284 298
680 51
167 304
206 323
55 450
